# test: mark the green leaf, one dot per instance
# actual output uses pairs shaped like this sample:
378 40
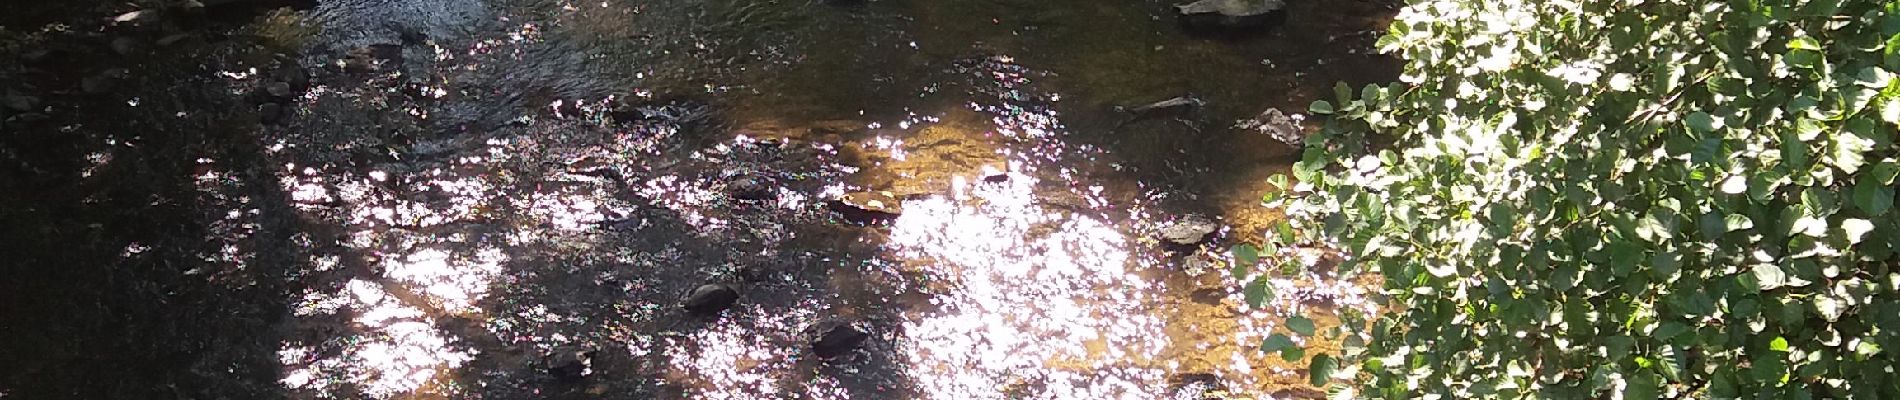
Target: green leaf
1258 292
1885 171
1276 343
1245 254
1770 276
1669 330
1641 386
1871 196
1804 43
1856 229
1794 152
1293 354
1737 222
1669 363
1701 122
1848 152
1320 107
1890 111
1300 325
1321 369
1779 344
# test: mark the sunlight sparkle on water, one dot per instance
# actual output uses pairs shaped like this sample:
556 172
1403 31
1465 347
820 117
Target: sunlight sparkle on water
1035 292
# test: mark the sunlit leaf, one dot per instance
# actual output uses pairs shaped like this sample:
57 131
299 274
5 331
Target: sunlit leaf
1770 276
1804 43
1871 196
1856 229
1245 254
1292 354
1276 343
1320 107
1258 292
1320 370
1300 325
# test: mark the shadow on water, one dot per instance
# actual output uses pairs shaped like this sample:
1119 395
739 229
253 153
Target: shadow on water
508 198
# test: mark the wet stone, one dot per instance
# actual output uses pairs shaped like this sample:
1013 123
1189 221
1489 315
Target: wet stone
570 364
270 113
749 188
173 39
868 207
1188 232
293 75
1193 386
1208 296
278 89
1230 15
100 83
19 102
125 45
709 299
1299 393
830 339
1277 125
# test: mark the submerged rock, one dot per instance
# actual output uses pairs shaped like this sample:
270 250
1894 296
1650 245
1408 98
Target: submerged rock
125 45
868 207
1188 232
1194 386
570 364
278 89
22 103
709 299
830 339
749 188
1277 125
270 113
1229 15
104 81
1171 106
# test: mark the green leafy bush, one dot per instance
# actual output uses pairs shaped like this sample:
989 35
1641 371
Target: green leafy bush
1603 198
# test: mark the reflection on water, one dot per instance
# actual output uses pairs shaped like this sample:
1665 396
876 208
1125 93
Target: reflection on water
512 182
1034 297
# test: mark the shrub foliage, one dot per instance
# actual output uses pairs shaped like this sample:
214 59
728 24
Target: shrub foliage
1604 198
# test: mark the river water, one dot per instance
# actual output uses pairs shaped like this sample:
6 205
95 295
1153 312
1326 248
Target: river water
485 186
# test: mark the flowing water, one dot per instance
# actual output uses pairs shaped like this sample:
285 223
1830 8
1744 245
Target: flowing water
482 188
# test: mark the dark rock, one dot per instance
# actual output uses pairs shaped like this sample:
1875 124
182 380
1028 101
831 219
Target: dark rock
709 299
751 189
830 339
169 40
1188 232
1231 15
373 58
1277 125
278 89
22 103
1299 393
868 207
1195 386
995 176
36 55
571 364
125 45
270 113
1170 107
104 81
1208 296
292 74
